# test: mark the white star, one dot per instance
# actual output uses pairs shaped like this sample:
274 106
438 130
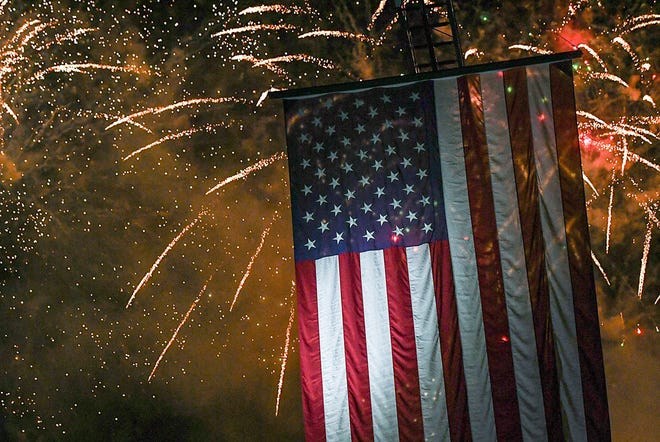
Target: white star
332 156
378 165
395 203
322 200
403 136
372 111
345 141
339 237
343 115
308 217
307 190
421 174
414 96
348 167
382 220
364 180
408 189
358 102
360 128
366 208
375 138
406 162
305 164
336 210
419 147
400 111
425 201
349 194
301 112
310 244
328 103
427 228
320 173
411 215
324 226
330 130
316 121
386 98
303 138
390 150
368 235
398 231
318 147
393 176
351 221
387 124
334 183
380 191
417 122
362 154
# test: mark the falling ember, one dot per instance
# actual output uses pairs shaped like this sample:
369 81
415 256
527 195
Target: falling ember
248 269
645 258
176 332
339 34
254 28
377 13
586 179
594 54
205 128
161 109
248 170
607 76
169 247
600 267
285 354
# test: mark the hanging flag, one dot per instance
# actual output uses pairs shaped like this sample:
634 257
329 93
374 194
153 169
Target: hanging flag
445 287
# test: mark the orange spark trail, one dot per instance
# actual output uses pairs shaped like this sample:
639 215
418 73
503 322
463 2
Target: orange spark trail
645 258
609 216
248 170
296 57
531 49
208 127
273 8
339 34
285 354
271 67
169 247
82 68
253 28
608 76
376 14
248 269
600 267
176 332
161 109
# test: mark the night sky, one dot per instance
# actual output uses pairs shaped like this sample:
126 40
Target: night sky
88 212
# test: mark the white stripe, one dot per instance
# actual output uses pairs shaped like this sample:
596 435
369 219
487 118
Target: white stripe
333 357
557 265
427 340
463 260
379 346
512 254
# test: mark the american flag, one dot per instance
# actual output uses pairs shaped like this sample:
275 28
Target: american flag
443 265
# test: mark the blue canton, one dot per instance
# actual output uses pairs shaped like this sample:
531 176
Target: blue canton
365 171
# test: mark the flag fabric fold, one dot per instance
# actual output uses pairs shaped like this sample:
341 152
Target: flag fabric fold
445 290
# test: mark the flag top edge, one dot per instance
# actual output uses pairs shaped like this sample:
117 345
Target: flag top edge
411 78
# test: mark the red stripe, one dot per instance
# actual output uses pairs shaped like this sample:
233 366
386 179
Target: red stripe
579 257
491 284
310 352
450 342
522 149
404 352
355 345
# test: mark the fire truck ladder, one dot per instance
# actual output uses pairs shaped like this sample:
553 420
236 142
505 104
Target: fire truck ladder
432 34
